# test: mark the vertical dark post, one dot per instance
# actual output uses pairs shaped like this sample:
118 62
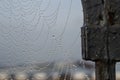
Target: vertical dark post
101 36
105 71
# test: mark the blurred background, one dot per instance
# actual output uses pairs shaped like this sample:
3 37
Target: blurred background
41 40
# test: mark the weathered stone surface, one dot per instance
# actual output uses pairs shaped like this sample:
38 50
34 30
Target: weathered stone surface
94 42
101 36
95 45
114 42
101 41
92 11
114 11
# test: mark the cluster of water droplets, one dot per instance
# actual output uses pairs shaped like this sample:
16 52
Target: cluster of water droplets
28 30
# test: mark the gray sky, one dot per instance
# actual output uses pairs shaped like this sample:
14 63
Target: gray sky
40 30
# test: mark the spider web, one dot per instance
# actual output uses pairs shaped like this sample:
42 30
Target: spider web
33 37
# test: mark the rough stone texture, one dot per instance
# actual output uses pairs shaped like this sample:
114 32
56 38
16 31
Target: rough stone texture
101 36
114 42
114 11
101 41
94 42
93 34
92 11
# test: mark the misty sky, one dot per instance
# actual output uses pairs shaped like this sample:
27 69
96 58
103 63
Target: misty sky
40 30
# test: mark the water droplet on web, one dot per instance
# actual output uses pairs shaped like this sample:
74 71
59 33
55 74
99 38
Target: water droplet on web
50 53
53 36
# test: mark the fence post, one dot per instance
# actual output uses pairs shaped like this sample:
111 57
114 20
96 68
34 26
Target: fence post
101 36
